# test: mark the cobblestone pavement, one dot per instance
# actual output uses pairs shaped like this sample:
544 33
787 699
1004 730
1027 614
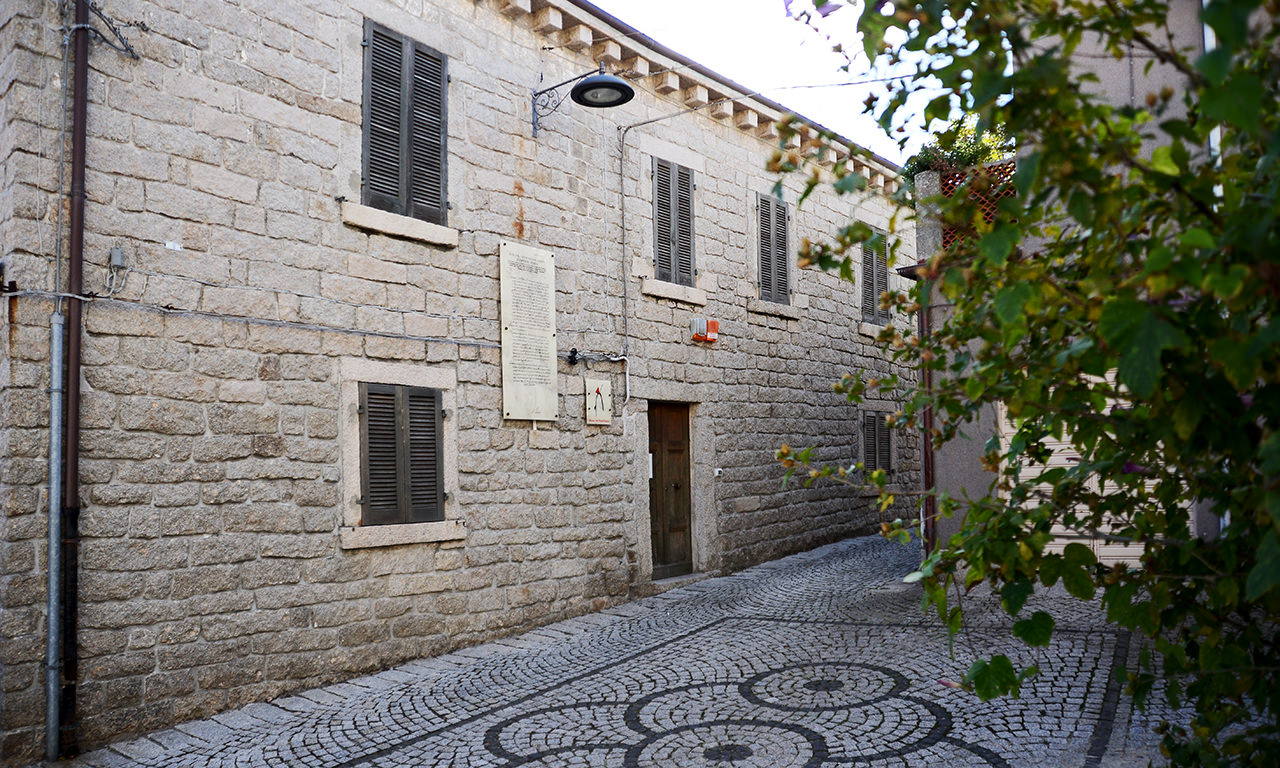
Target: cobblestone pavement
821 659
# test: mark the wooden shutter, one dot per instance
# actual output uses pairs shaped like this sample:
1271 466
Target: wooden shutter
672 222
875 281
384 110
684 226
884 457
423 461
882 280
774 283
781 261
428 126
663 220
401 470
405 126
870 454
764 204
876 444
379 460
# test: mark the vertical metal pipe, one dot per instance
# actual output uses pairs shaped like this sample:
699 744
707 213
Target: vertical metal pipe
53 615
71 473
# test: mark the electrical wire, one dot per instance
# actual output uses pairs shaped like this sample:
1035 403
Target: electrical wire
91 300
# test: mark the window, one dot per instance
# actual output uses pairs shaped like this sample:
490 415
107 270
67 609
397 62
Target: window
875 280
401 477
405 125
673 222
876 453
774 221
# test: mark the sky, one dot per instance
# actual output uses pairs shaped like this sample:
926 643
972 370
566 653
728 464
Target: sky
753 43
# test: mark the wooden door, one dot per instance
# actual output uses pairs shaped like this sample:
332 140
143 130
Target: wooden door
669 497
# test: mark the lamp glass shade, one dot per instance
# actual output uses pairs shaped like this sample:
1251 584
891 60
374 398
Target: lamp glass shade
600 91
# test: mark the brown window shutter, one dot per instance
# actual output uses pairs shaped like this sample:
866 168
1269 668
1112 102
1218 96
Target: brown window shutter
882 280
684 226
423 460
869 294
384 108
869 441
428 129
764 204
663 220
884 456
781 261
379 465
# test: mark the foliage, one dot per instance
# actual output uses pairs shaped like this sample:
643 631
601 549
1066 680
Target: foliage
1123 300
960 148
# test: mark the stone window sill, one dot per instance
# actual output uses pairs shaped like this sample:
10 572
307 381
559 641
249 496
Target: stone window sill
366 536
871 329
662 289
374 220
762 307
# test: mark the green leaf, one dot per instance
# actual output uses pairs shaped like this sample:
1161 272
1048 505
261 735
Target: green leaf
1187 415
1002 673
1027 172
1215 65
1035 631
1162 161
991 678
851 182
1238 102
1265 575
996 246
1050 570
1196 237
1139 367
1078 582
1011 299
1236 360
1078 555
1119 318
1015 594
1225 285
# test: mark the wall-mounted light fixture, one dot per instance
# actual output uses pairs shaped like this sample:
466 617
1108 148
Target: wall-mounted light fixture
594 89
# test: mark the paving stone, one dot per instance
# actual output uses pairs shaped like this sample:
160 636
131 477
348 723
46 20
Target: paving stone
822 659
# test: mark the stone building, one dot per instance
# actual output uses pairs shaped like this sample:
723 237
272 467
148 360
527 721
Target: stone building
300 456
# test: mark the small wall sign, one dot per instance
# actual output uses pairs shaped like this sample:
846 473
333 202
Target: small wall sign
599 397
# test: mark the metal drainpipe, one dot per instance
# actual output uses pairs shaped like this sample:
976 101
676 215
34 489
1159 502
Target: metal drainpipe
53 625
930 510
67 724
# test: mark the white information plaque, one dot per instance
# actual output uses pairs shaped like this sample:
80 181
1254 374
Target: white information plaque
527 294
599 401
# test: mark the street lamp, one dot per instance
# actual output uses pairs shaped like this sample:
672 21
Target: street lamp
594 89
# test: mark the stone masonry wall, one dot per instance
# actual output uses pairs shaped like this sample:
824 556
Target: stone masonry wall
213 565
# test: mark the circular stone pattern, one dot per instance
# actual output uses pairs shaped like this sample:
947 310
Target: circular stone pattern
728 753
736 744
822 686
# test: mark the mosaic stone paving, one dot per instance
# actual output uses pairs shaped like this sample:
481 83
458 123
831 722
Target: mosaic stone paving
822 659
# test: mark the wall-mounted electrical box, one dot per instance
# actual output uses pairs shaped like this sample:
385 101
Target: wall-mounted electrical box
704 329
